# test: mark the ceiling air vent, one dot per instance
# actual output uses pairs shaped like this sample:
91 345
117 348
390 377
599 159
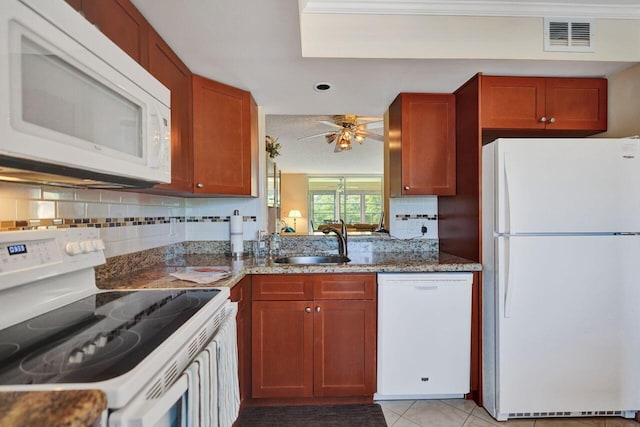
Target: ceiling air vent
568 35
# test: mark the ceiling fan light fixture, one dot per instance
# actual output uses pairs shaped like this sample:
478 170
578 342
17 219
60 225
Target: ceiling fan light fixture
359 138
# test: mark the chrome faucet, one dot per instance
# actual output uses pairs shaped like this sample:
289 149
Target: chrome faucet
342 237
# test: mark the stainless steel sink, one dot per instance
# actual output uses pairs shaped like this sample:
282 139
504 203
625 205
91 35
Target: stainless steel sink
324 259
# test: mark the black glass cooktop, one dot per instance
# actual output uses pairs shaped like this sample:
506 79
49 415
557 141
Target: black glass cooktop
96 338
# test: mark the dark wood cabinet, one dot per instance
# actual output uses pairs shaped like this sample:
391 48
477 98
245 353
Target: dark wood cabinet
560 104
225 140
313 335
421 145
490 107
241 293
165 66
122 23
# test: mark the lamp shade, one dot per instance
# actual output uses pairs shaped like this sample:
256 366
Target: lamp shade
295 213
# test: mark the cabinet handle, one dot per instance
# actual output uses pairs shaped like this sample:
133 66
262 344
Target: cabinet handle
406 187
318 309
552 120
543 119
199 185
308 309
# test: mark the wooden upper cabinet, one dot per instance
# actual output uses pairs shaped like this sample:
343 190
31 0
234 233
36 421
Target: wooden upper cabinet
225 137
422 145
513 102
165 66
579 104
562 104
122 23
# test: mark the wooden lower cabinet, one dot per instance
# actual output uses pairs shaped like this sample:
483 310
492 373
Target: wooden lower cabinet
314 347
241 293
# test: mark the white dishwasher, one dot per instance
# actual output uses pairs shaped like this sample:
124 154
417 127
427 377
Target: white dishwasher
424 335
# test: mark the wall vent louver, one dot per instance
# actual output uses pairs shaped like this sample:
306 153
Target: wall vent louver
568 35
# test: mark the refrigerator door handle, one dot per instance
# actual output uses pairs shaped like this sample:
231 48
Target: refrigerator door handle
508 285
507 196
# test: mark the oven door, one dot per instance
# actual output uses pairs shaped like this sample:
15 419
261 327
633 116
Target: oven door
168 410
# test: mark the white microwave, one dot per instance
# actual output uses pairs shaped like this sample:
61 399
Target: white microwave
75 109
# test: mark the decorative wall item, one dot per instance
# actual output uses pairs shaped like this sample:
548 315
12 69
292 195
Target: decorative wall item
273 147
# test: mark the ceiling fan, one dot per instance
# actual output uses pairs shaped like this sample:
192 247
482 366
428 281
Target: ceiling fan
348 127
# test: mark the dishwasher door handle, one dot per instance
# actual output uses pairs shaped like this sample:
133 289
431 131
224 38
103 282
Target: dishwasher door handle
426 287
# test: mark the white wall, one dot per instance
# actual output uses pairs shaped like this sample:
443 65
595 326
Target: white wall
624 103
455 37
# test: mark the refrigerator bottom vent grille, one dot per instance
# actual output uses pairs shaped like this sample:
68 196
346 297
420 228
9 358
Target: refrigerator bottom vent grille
566 414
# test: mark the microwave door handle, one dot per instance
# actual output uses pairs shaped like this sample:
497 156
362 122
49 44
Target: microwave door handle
159 135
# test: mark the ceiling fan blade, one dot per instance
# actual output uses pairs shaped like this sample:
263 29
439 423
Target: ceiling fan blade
368 119
368 134
314 136
328 123
376 137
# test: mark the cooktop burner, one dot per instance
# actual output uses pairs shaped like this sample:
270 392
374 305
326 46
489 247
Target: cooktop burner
96 338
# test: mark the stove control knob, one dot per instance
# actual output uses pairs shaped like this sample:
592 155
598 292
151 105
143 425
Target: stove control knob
101 341
76 356
72 248
89 348
86 246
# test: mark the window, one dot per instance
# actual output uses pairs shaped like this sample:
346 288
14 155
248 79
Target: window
354 199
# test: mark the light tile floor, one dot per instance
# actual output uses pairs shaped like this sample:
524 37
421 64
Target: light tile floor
465 413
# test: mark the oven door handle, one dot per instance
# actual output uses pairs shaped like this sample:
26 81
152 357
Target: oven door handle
148 412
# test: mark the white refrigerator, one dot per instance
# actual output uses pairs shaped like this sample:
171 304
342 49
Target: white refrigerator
561 277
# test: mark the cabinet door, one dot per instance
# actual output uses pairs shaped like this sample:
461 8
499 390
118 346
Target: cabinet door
344 286
282 287
282 347
165 65
225 139
344 348
241 293
576 104
122 23
422 145
513 102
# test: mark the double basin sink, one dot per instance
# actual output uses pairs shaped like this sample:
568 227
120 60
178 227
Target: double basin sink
313 259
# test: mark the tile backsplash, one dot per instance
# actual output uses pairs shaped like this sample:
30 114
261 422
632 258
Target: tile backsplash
131 222
409 214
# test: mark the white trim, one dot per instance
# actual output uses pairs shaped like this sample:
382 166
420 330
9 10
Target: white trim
578 9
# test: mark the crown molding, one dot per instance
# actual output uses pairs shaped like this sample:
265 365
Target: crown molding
577 9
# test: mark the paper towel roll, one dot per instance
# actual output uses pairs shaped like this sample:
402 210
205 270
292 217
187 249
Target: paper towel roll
235 232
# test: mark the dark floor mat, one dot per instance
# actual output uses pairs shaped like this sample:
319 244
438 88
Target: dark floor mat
369 415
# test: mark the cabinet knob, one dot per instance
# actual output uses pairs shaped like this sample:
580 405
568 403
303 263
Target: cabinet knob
318 309
406 187
308 309
543 119
552 120
199 185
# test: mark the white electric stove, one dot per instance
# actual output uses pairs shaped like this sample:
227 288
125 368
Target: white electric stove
59 331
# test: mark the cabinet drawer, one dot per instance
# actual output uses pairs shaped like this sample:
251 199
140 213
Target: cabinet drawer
282 287
344 286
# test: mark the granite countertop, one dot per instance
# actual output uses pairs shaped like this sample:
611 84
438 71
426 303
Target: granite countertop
70 408
83 407
158 276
